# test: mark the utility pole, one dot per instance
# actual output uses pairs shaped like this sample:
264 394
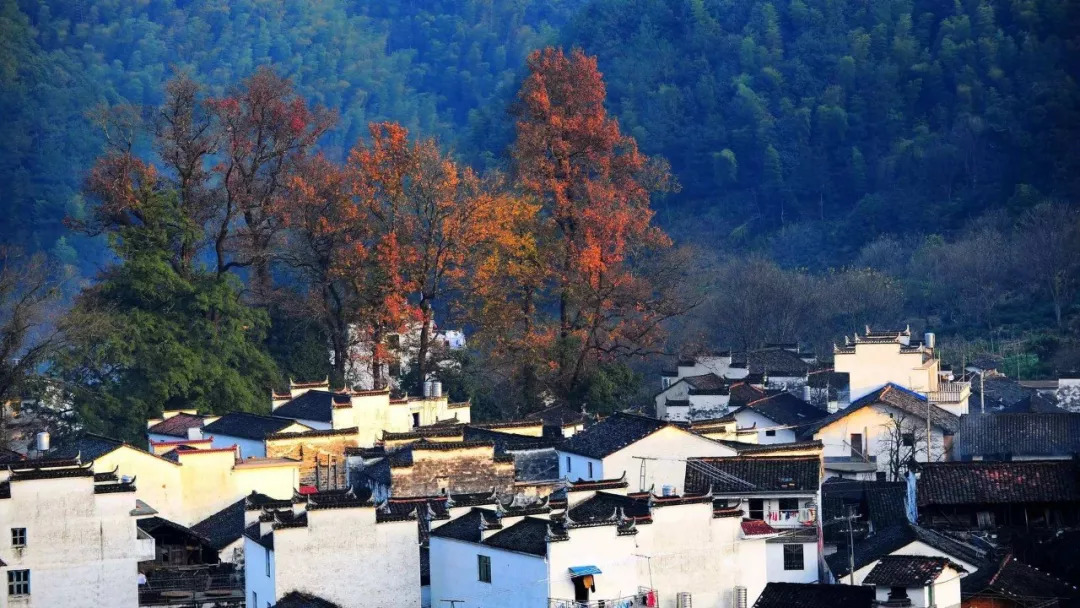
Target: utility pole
982 393
851 543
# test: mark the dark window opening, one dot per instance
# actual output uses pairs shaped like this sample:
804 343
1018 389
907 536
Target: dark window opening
757 508
18 537
395 369
416 419
18 582
770 433
908 439
789 504
590 471
483 565
856 445
793 557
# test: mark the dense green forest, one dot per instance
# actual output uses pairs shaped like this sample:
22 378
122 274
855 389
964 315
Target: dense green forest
835 163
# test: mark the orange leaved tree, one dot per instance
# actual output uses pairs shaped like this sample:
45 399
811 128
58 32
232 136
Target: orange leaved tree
594 188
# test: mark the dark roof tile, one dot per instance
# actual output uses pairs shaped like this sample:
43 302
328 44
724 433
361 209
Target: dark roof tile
974 483
313 405
611 435
899 398
1030 435
224 527
749 475
297 599
526 536
908 570
246 425
176 426
786 409
813 595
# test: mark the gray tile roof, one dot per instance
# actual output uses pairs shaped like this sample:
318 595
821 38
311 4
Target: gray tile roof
786 409
176 426
899 398
772 475
246 426
526 536
313 405
611 435
975 483
908 570
893 538
297 599
1032 435
814 595
224 527
775 361
1010 579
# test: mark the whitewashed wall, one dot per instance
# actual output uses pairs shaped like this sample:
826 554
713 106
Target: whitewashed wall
775 564
517 579
873 423
82 548
667 450
575 467
747 417
257 584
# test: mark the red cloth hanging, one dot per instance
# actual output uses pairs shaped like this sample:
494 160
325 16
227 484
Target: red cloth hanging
650 599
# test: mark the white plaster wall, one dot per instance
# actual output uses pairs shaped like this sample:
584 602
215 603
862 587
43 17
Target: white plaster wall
875 365
517 579
677 391
707 406
667 450
576 466
82 547
345 557
248 447
747 417
157 482
618 558
873 423
914 548
947 589
255 577
775 564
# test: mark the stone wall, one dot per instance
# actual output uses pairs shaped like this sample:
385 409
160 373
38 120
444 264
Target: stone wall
456 468
321 455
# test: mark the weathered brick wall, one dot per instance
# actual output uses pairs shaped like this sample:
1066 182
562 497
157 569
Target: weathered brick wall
460 471
322 457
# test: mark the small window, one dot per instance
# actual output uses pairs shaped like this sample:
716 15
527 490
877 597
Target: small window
590 470
770 433
395 369
789 504
757 508
793 557
18 582
908 439
568 468
18 537
483 564
267 554
254 599
393 341
880 476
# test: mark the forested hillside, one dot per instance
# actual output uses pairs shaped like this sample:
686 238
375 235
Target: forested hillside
849 118
834 163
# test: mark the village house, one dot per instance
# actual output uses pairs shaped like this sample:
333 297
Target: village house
882 432
174 425
917 581
372 412
72 539
338 546
190 481
783 492
648 451
827 389
875 505
1043 436
899 539
982 495
692 397
724 428
606 546
247 431
432 468
808 595
879 358
782 366
777 418
400 352
1009 583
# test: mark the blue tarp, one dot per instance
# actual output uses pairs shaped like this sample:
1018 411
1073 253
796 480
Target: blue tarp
583 570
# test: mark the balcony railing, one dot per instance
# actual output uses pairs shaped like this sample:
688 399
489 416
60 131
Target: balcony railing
950 392
637 599
187 587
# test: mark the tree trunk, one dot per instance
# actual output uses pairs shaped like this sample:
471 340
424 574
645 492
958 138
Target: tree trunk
425 338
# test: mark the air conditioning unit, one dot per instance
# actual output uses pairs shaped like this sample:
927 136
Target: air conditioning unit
682 600
740 597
